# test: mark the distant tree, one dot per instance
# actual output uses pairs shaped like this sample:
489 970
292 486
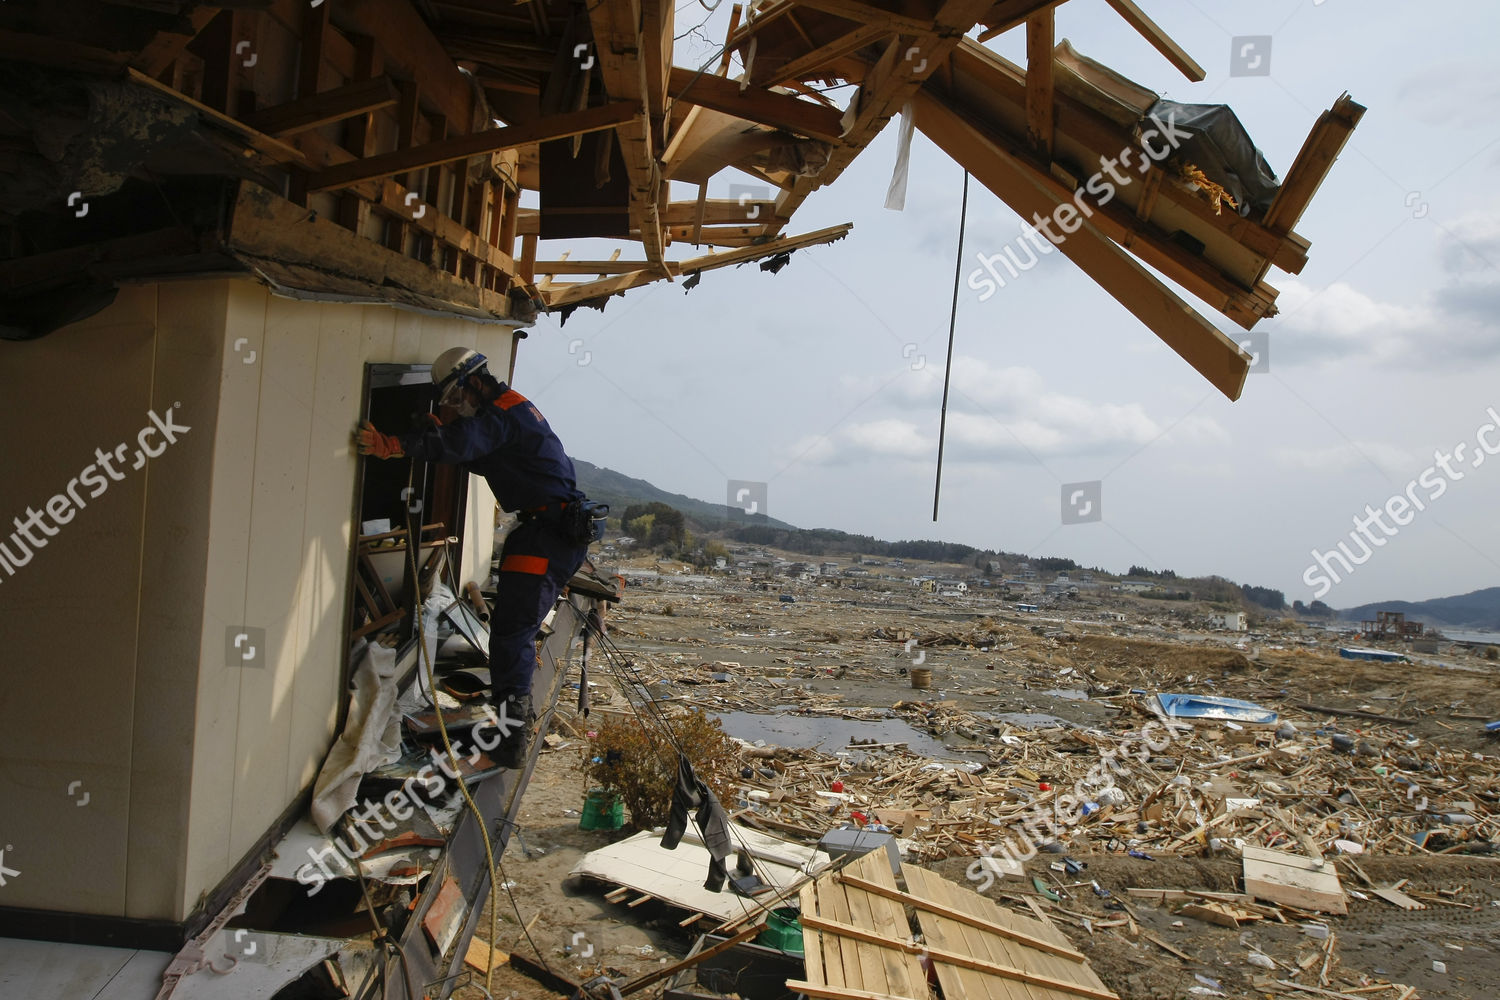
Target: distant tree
1320 609
1299 608
666 528
1265 597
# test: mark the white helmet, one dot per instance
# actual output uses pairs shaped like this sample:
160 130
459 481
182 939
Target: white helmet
455 365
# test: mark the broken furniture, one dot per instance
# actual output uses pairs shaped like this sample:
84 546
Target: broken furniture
383 563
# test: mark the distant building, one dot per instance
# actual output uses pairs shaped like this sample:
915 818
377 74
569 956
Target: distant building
624 541
829 569
957 586
1231 621
1135 586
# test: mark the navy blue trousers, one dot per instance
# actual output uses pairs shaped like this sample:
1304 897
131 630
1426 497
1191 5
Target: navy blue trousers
535 563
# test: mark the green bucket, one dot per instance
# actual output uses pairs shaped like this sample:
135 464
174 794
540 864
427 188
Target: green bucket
602 811
783 931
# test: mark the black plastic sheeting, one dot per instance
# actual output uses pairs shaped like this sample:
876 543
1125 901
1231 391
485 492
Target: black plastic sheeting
1219 146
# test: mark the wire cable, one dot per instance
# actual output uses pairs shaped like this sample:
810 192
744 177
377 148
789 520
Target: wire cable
617 658
413 542
958 267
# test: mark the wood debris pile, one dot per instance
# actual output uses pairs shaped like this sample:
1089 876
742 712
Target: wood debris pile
1188 790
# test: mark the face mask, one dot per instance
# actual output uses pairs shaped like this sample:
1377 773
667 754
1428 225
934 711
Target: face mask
467 409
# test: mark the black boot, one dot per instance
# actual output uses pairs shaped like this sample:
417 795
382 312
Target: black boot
515 713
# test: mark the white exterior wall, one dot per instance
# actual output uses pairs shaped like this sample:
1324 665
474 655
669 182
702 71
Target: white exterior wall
115 632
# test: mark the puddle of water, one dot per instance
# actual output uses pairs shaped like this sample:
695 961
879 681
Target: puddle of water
1071 694
1028 720
828 734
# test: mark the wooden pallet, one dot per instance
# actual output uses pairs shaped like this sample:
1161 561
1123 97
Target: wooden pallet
858 942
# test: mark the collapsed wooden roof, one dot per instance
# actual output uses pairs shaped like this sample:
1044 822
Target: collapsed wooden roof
379 148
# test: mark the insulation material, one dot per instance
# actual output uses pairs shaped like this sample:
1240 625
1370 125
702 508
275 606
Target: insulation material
895 196
371 739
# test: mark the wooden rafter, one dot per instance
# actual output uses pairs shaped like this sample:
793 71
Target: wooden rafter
322 109
1213 354
561 295
1102 139
863 13
166 46
806 64
1040 31
1008 14
620 32
1314 160
764 107
889 84
1159 39
462 147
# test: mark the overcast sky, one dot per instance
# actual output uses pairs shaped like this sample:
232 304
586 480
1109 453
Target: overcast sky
1384 352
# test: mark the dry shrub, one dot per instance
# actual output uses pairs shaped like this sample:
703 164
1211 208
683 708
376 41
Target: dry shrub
1492 653
641 766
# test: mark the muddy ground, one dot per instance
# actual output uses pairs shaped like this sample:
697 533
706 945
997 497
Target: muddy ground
817 655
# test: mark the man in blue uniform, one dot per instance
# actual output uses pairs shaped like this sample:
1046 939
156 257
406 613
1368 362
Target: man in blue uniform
494 431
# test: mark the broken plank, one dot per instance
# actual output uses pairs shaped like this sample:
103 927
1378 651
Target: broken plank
1292 880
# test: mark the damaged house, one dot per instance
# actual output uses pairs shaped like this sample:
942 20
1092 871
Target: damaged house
229 232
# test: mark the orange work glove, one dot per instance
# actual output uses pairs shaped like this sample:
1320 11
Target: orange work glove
372 442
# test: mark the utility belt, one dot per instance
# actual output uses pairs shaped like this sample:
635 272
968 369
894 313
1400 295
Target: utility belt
579 521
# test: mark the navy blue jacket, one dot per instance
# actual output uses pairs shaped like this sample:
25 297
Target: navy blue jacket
510 444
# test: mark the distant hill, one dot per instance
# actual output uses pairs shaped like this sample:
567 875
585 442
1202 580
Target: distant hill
620 491
1479 609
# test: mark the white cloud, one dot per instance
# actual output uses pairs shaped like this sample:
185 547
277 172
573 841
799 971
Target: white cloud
995 412
1450 327
1348 457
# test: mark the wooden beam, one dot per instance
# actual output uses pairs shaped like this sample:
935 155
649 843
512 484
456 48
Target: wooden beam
1211 353
813 62
626 63
932 906
1159 39
888 85
462 147
598 267
408 43
310 55
263 224
839 992
1008 14
167 45
1101 138
656 975
1314 160
389 198
273 149
764 107
1040 31
322 109
564 294
863 13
